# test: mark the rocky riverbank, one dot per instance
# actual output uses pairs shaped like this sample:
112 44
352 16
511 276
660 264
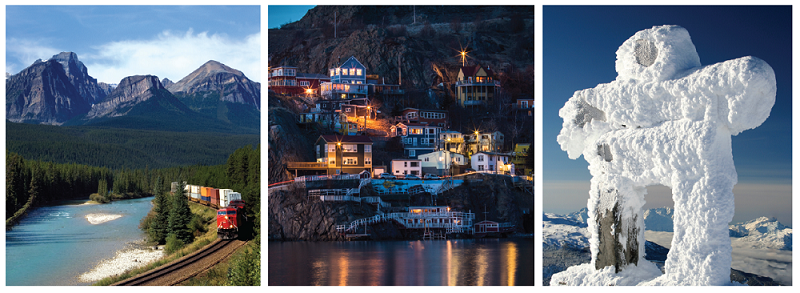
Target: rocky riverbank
127 259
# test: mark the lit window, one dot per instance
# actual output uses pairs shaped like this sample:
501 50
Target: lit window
331 148
367 148
338 71
358 71
352 71
416 131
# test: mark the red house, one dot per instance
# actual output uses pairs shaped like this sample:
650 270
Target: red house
285 80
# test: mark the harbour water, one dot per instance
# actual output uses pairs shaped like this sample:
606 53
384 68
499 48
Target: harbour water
455 262
53 245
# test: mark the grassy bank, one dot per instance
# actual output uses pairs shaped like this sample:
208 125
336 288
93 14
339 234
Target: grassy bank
209 217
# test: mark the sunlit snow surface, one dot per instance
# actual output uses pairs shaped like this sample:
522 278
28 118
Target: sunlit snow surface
666 120
756 255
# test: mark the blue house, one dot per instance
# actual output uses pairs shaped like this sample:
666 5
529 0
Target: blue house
417 138
348 80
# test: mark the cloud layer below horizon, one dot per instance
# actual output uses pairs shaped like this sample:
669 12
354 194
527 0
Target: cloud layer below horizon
168 54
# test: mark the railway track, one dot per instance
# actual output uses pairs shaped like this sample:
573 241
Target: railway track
186 267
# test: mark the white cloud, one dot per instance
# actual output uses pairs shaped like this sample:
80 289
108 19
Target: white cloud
173 56
23 50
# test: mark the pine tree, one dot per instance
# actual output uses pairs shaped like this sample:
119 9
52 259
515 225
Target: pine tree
180 216
159 228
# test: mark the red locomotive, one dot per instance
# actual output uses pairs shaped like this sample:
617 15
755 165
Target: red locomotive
229 219
230 213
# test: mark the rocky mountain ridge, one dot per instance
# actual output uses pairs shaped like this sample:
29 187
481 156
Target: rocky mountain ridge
130 91
213 76
43 94
60 91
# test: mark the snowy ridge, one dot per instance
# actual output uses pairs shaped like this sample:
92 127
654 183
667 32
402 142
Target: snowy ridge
763 233
562 230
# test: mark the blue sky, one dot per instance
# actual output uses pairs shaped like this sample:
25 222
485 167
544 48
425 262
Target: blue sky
118 41
281 14
579 45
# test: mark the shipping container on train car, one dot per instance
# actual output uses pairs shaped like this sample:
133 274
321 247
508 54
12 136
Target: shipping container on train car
194 192
214 197
223 197
205 195
234 196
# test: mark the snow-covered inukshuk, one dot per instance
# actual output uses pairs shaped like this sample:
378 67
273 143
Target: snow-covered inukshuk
664 120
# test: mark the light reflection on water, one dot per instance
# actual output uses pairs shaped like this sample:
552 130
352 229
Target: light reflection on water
458 262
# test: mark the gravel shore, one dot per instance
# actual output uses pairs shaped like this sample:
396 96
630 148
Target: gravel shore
124 260
95 219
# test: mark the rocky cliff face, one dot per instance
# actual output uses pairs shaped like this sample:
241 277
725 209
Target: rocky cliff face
293 217
496 36
216 77
130 91
42 93
79 77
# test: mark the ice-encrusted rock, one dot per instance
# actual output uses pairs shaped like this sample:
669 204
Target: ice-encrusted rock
664 120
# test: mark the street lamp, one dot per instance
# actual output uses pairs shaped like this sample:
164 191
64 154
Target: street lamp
340 156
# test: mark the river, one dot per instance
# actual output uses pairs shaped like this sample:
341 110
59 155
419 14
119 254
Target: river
53 245
458 262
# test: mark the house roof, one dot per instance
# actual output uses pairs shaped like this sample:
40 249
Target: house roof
425 110
494 154
351 63
346 138
416 124
472 70
313 76
418 160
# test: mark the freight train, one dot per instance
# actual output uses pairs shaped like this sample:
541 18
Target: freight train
229 205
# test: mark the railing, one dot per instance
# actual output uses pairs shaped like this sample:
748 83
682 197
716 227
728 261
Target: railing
326 177
327 192
458 221
339 198
474 82
289 82
295 165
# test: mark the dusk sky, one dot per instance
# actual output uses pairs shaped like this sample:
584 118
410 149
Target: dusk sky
282 14
579 51
118 41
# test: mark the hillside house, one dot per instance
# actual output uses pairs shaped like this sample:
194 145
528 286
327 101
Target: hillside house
417 138
520 155
402 167
484 142
476 85
348 80
377 86
285 80
524 106
491 162
424 116
439 162
452 141
337 154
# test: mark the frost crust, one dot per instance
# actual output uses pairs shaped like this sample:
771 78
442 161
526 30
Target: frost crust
667 120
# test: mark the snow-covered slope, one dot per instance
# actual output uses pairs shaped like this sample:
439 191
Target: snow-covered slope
758 249
560 230
659 219
763 233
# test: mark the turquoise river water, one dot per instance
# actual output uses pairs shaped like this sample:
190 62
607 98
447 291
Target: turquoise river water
53 245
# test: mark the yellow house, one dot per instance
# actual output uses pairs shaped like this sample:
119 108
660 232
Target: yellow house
476 85
520 155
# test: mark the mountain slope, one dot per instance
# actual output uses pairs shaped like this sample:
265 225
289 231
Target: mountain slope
42 93
141 102
230 84
79 77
